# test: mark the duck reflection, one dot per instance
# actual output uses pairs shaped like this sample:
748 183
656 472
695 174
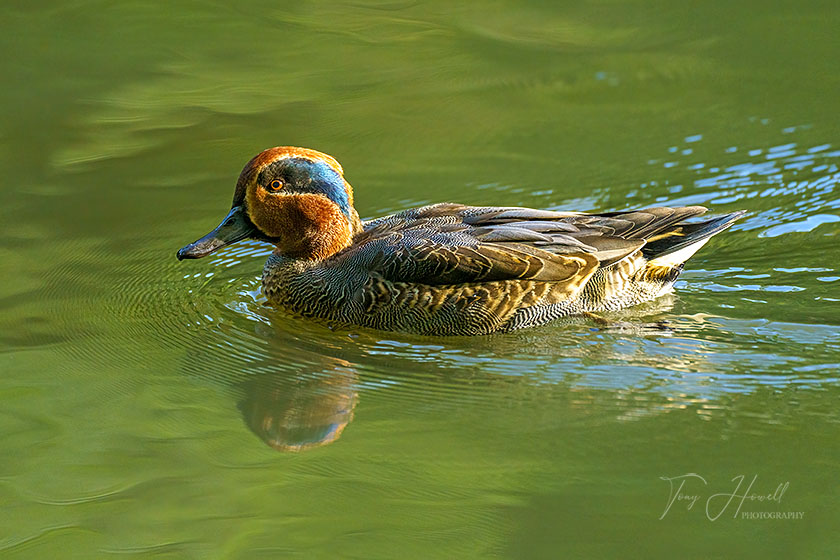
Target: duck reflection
295 414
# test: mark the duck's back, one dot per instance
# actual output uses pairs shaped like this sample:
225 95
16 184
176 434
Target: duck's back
450 269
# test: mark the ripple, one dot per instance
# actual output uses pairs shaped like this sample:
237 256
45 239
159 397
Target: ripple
297 384
808 224
258 351
16 544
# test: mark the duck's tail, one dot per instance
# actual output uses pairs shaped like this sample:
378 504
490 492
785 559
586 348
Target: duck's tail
671 248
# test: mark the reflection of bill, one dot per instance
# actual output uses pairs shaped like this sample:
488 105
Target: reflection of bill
301 413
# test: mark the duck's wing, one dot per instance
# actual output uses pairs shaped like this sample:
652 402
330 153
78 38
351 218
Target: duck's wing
453 244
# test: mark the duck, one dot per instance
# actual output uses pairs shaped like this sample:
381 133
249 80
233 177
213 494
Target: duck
445 269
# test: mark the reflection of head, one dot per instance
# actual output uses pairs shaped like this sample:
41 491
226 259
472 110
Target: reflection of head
302 413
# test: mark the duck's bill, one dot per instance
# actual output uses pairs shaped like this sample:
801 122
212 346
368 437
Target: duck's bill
235 227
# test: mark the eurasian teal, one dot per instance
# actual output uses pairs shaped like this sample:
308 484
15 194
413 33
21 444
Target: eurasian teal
445 269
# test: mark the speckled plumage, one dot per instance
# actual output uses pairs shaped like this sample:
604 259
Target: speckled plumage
447 269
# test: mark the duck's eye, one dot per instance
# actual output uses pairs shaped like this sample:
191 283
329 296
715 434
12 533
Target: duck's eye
275 185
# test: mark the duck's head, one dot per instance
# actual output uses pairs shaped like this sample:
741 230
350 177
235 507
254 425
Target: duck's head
295 198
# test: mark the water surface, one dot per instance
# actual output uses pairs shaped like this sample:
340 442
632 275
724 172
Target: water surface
152 408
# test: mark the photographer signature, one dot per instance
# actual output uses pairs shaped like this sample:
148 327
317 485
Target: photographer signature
718 503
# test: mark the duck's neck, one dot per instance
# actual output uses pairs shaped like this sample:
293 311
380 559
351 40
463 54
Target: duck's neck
315 228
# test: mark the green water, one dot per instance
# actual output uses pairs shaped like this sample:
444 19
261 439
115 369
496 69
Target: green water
151 408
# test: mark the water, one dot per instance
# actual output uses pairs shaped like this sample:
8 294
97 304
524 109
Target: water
156 408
